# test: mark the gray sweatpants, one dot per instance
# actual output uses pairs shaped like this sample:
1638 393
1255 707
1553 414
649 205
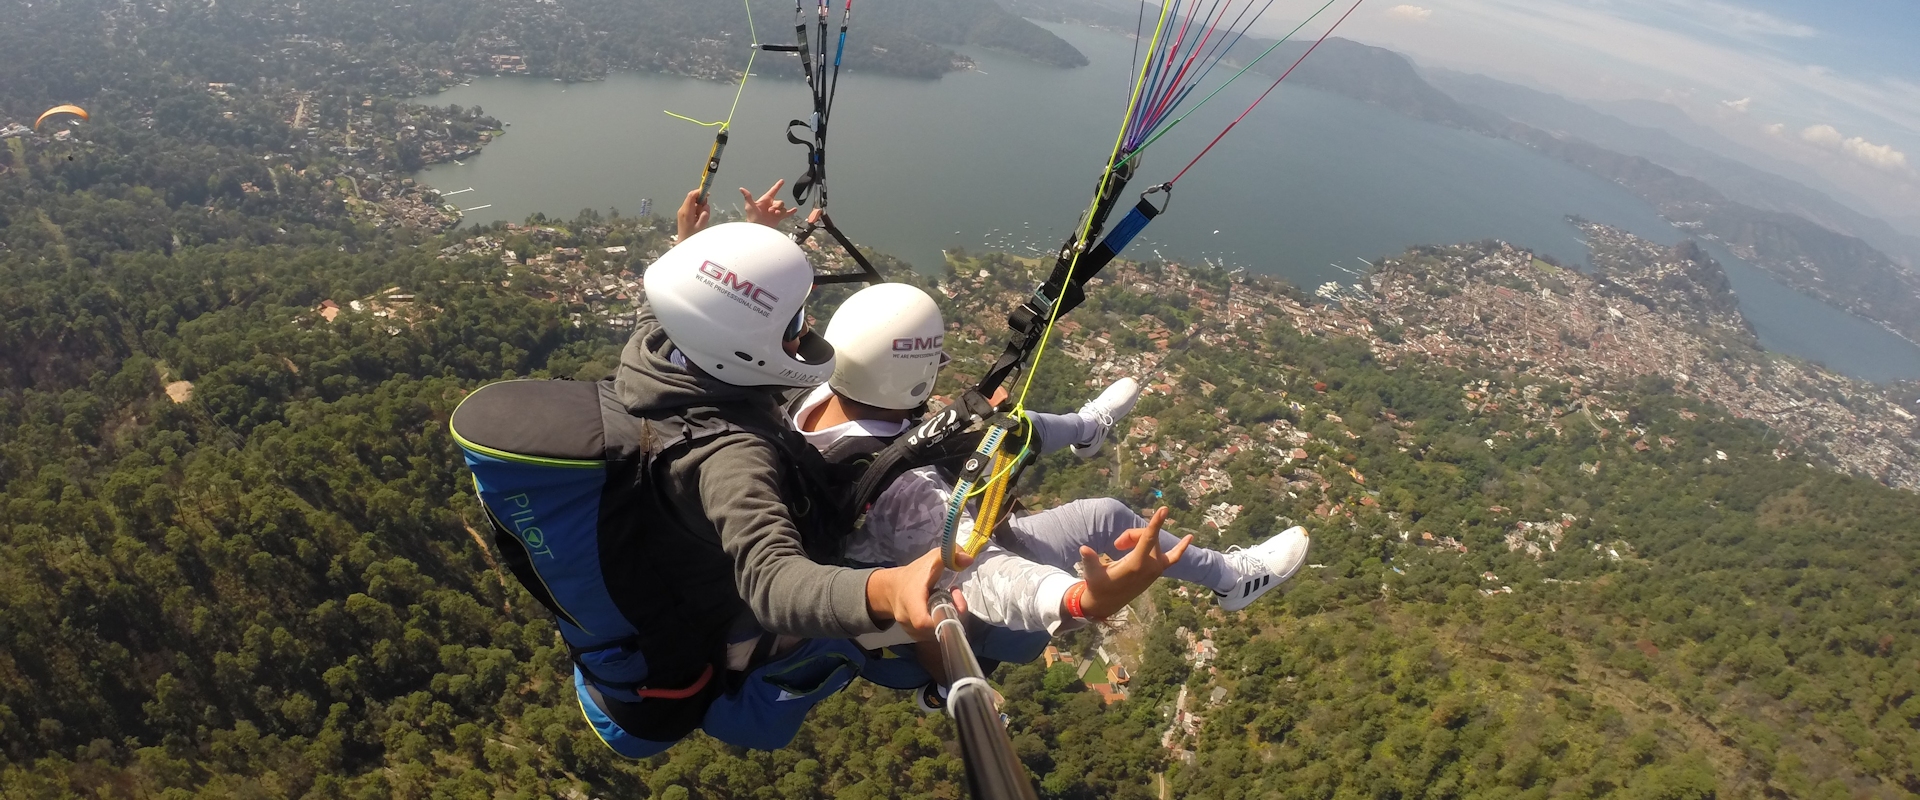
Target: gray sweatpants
1059 430
1054 537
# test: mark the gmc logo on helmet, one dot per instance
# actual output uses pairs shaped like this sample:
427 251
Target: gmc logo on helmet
912 343
731 281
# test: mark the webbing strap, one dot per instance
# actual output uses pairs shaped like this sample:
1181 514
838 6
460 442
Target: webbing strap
1074 293
933 442
1066 286
822 86
806 56
989 469
816 161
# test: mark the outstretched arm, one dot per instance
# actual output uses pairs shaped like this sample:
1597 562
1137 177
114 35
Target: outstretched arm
787 591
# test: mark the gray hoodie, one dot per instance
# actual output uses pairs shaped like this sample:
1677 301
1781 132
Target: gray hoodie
726 497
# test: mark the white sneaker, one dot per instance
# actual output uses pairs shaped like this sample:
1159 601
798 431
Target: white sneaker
1263 567
931 698
1105 410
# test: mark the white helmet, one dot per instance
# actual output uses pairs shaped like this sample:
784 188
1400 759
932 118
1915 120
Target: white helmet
730 296
888 340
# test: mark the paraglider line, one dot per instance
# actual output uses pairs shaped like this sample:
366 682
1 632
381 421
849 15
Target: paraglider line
1086 225
1214 57
720 137
741 89
1138 20
1263 95
1236 76
1157 111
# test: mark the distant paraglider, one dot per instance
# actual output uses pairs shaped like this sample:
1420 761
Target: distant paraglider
58 110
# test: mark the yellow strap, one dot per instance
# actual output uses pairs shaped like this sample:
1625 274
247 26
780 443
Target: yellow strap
993 505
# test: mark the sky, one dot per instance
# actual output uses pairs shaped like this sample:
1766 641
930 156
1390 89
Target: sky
1829 84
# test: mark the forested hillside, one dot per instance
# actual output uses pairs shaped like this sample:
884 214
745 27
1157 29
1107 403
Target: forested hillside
268 585
240 557
73 49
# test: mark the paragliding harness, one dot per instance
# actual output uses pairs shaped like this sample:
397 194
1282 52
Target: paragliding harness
991 460
823 86
895 666
569 480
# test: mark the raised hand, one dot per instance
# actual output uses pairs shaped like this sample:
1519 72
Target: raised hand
767 209
1110 587
692 216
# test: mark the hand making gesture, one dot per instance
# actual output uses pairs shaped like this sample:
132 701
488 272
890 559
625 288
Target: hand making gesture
1110 587
767 209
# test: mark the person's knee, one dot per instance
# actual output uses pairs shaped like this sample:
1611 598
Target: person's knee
1109 513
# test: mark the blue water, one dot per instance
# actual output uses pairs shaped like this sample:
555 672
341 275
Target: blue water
1005 158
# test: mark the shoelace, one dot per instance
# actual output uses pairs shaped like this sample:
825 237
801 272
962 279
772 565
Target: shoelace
1246 558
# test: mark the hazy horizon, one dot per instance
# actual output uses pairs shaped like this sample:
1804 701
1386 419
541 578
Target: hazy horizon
1833 88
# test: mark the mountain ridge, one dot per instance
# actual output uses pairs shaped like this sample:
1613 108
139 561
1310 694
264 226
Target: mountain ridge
1742 183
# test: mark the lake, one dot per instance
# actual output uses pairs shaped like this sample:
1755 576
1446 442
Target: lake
1005 157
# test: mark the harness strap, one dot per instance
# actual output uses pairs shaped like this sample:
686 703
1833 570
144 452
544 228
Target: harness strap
934 442
577 655
816 161
680 694
1066 286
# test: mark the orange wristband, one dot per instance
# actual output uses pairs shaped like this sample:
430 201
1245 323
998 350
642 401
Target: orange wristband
1074 593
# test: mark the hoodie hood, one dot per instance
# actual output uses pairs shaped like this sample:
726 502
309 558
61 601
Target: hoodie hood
649 380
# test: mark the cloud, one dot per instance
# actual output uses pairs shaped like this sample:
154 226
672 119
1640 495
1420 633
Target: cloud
1778 129
1823 135
1622 49
1876 155
1410 13
1748 21
1741 105
1879 156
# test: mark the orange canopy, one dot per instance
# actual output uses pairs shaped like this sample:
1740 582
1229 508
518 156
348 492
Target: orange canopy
74 110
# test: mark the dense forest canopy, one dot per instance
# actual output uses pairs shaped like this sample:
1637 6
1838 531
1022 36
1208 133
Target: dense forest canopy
241 557
272 587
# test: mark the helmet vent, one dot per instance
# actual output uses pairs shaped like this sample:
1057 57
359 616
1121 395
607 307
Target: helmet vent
743 356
